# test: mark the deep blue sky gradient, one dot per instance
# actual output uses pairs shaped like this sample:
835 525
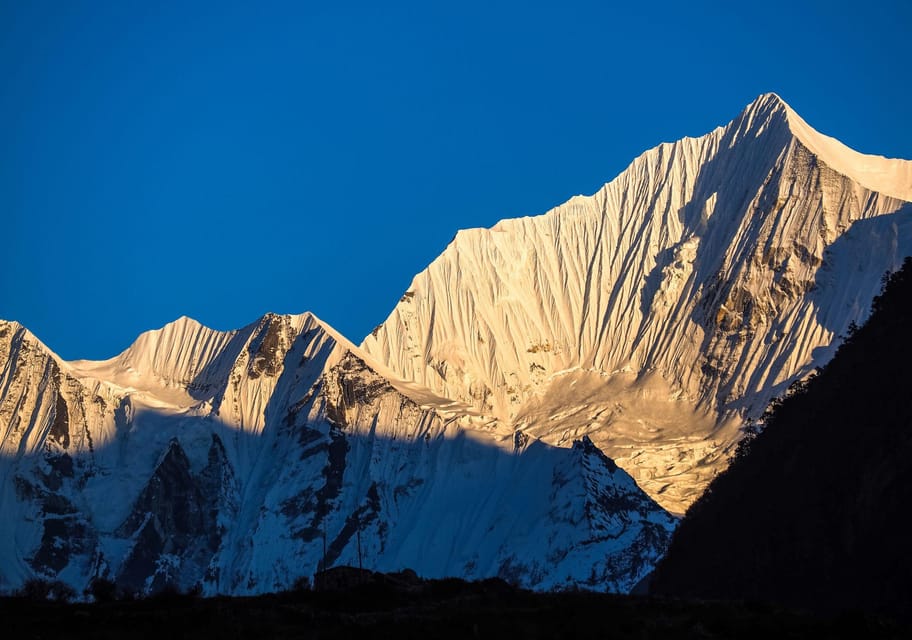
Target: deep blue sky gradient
221 160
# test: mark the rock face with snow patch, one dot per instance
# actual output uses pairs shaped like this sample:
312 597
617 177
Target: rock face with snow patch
658 314
228 459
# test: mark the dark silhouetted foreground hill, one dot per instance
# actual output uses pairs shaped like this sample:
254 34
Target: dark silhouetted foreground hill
815 511
438 609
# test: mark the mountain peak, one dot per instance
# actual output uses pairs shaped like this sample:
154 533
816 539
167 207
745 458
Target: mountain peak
184 321
9 324
11 330
770 102
889 176
183 326
309 320
768 115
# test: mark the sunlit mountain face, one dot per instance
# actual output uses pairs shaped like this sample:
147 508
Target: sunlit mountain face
539 403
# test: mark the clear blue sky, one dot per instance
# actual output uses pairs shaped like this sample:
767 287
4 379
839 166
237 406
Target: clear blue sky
221 160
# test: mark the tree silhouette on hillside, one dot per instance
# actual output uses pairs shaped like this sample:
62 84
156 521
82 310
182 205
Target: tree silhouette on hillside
813 512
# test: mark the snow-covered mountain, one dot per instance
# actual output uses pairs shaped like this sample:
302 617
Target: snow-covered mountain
222 459
465 436
658 314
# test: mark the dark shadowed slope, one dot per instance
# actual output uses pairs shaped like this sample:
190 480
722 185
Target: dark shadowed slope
238 462
815 511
